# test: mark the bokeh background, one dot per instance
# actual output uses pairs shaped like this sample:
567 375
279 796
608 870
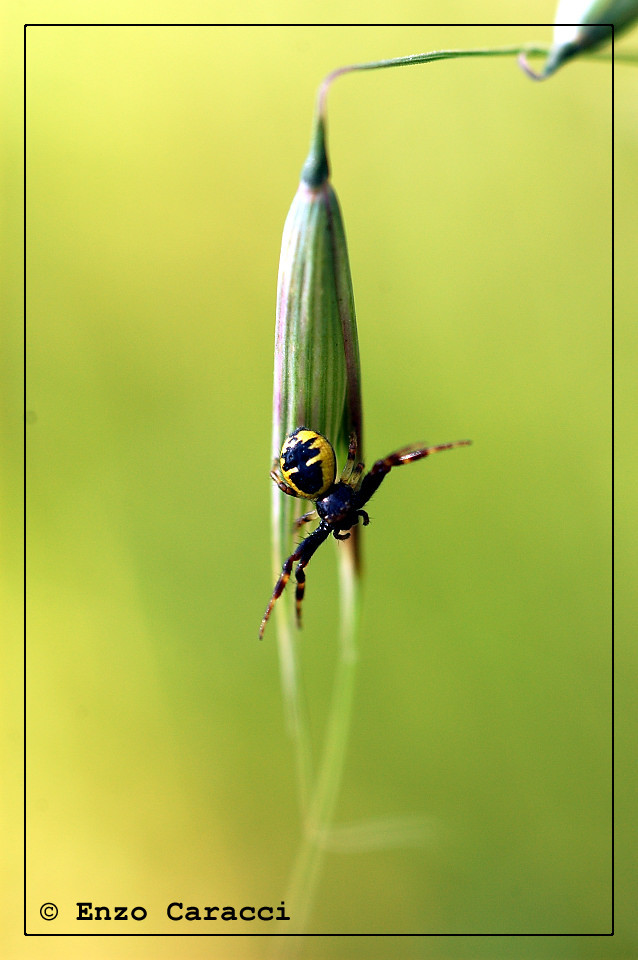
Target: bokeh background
161 161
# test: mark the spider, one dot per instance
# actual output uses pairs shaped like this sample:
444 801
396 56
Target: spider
309 470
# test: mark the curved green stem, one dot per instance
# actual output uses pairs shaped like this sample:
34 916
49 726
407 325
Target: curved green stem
525 49
532 50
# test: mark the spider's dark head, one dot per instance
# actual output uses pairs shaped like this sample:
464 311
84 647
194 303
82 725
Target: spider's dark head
336 506
308 463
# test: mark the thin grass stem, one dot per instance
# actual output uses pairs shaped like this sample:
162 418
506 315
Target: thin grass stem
307 868
290 674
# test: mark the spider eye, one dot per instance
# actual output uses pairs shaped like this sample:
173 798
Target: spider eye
308 463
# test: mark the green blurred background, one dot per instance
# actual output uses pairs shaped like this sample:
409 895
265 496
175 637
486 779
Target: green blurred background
161 163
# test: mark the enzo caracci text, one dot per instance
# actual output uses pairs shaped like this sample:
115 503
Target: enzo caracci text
177 910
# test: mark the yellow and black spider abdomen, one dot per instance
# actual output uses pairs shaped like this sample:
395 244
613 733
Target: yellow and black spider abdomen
308 463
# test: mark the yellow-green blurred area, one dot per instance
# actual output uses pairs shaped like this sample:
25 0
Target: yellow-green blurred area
161 161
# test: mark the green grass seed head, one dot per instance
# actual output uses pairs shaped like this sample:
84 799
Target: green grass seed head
316 376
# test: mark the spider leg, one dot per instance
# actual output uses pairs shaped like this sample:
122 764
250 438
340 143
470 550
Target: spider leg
356 475
276 476
372 480
352 459
300 577
340 534
301 557
305 518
